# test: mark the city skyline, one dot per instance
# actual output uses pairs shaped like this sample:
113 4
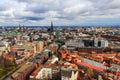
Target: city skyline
68 12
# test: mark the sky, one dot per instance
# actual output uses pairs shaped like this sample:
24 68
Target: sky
61 12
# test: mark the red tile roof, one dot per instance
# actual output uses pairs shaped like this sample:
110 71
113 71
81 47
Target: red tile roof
91 66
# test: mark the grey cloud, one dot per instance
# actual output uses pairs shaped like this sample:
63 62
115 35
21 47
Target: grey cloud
3 7
70 12
66 17
28 17
33 18
38 8
43 7
23 0
105 4
67 10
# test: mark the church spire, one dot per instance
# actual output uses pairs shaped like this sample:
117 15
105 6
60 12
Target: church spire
51 27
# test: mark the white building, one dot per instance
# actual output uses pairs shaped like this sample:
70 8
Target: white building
4 46
100 42
69 73
45 73
75 43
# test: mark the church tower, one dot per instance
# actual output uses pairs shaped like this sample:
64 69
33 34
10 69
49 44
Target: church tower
51 29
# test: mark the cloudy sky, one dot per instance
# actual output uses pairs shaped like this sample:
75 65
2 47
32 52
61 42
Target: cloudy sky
61 12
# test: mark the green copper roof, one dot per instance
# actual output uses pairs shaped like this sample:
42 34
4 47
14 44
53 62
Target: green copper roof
18 34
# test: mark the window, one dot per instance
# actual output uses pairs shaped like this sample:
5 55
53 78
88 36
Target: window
99 43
